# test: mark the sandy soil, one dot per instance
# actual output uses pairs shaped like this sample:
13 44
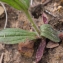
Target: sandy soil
17 19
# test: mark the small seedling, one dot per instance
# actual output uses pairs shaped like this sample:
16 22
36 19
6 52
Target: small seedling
14 35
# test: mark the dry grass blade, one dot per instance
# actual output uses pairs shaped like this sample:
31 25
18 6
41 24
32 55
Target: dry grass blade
1 10
1 59
5 13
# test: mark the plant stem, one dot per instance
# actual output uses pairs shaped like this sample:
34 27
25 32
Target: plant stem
33 23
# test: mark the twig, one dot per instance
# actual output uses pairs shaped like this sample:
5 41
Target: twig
1 57
31 2
49 13
5 13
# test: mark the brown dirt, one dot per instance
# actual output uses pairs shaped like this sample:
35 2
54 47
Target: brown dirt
17 19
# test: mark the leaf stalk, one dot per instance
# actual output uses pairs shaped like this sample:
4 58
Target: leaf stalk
33 23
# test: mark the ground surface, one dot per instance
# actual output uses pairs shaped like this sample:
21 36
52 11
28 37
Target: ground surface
17 19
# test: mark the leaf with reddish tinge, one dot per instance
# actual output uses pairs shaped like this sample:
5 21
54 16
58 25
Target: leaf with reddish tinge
44 18
1 11
61 35
40 50
52 44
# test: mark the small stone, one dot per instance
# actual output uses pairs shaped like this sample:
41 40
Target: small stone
26 48
52 44
26 44
28 53
1 11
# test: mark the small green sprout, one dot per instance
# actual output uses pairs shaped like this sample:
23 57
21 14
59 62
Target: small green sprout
13 35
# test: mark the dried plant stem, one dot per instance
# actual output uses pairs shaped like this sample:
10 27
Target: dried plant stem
1 57
31 2
5 13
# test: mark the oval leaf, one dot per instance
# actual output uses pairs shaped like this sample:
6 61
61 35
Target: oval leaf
14 35
48 32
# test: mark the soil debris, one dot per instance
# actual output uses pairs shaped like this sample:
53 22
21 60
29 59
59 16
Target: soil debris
1 12
26 48
52 44
17 19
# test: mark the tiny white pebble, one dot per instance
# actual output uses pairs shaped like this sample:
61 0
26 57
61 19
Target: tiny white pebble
59 7
34 62
55 4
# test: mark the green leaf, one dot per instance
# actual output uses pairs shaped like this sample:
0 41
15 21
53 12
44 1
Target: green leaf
24 6
18 4
27 2
14 35
48 32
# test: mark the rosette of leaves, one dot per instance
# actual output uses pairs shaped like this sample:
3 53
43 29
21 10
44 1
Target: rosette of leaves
22 5
12 36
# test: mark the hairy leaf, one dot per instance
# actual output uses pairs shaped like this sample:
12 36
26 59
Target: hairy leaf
14 35
22 5
48 32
